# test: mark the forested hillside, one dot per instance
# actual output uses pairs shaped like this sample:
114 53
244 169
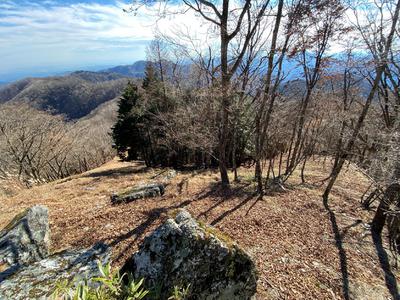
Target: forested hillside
74 95
62 127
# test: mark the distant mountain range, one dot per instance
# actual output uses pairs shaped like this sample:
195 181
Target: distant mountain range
136 70
74 94
78 93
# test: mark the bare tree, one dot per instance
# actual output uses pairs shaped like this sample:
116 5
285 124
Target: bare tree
38 147
273 78
314 36
383 46
230 21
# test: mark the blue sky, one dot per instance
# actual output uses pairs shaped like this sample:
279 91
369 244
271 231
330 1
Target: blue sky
41 37
48 37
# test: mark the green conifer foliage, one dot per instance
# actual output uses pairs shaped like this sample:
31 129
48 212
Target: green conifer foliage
126 133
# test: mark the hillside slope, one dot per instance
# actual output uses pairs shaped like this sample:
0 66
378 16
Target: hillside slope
74 95
105 115
301 251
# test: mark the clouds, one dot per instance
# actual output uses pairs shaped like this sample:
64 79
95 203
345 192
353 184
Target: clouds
51 34
39 37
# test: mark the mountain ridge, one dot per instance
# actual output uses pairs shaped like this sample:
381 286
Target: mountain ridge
74 95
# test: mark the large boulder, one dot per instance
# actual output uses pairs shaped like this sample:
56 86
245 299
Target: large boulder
138 192
183 252
37 281
24 240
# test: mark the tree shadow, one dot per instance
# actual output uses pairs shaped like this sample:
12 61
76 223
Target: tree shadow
205 213
9 271
222 194
390 279
139 230
275 191
232 210
195 170
340 248
118 172
346 229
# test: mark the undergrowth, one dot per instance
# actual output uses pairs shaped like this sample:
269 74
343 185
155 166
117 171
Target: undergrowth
110 286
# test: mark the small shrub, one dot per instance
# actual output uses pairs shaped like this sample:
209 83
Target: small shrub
180 293
110 286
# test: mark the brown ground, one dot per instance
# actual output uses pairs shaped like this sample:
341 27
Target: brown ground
290 234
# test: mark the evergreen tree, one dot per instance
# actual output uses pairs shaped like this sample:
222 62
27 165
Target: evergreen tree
126 133
153 87
150 76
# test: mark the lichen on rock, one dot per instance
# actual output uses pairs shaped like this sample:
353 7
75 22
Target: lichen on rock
183 252
25 239
37 281
139 192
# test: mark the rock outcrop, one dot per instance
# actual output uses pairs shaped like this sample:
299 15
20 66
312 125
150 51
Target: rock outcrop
26 269
24 240
184 252
138 192
37 281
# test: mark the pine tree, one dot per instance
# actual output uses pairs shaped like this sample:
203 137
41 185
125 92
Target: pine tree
126 133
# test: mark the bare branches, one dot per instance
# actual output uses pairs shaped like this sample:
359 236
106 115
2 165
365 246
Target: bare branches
37 147
198 8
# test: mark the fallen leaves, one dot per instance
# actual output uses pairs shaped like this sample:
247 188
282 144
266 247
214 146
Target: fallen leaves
288 234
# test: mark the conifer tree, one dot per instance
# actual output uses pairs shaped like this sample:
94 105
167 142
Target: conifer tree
150 76
125 132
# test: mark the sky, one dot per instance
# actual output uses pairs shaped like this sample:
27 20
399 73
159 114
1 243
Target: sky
51 37
45 37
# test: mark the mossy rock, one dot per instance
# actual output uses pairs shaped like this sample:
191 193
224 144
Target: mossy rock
38 280
183 252
138 192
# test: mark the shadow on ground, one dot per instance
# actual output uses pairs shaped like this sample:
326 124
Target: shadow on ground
383 257
118 172
341 250
138 231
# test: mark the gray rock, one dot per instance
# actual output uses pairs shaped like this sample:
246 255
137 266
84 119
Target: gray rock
165 175
37 281
170 175
24 240
183 251
138 192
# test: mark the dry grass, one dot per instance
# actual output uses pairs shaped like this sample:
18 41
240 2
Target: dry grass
289 234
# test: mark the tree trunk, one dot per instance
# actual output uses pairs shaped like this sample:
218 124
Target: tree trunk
381 65
263 117
225 101
302 170
258 177
391 196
